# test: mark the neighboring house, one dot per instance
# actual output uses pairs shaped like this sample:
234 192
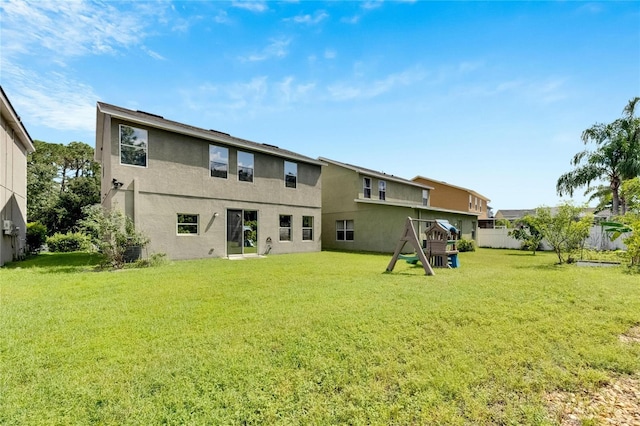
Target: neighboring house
452 197
365 210
515 215
457 198
15 144
203 193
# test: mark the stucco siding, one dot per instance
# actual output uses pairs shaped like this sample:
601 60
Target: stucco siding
158 220
13 193
177 180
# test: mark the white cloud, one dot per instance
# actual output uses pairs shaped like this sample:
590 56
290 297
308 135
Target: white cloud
290 92
222 17
253 6
277 48
153 54
372 4
52 100
352 20
307 19
371 89
74 28
330 54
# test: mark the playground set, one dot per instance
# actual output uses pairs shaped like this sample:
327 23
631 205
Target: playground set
439 248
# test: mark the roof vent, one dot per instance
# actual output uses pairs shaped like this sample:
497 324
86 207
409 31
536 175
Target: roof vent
218 131
148 113
270 146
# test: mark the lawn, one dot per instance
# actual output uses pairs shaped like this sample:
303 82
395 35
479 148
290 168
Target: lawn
319 338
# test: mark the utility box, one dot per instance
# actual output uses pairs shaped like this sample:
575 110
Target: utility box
7 227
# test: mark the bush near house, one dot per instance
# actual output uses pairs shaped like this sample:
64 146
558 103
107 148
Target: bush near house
114 234
36 237
466 245
71 241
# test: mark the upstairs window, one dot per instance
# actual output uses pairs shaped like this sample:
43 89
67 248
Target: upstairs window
218 161
344 230
470 201
187 224
290 174
307 228
285 227
245 166
366 187
133 146
425 197
481 205
382 190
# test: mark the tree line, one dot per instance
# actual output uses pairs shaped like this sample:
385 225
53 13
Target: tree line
61 181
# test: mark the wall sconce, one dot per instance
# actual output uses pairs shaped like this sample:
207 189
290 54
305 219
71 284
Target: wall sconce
216 214
116 184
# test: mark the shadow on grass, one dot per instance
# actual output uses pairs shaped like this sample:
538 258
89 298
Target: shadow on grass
50 263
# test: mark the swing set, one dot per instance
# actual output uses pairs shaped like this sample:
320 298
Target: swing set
440 246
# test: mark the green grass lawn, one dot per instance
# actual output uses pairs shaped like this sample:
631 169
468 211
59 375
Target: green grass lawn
320 338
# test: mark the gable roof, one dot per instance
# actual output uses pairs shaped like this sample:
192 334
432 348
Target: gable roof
470 191
13 119
159 122
374 173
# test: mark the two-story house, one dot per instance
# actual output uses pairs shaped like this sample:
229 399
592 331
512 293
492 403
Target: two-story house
452 197
365 210
203 193
15 144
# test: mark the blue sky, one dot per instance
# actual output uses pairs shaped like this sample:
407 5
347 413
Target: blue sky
492 96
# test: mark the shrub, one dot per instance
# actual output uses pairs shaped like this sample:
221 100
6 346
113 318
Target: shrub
71 241
466 245
113 233
36 236
155 259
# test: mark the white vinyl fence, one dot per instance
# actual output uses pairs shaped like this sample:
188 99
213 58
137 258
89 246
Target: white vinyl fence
499 238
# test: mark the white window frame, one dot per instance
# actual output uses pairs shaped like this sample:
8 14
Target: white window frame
211 147
345 229
196 224
281 228
138 132
366 187
382 190
309 229
252 168
425 197
295 182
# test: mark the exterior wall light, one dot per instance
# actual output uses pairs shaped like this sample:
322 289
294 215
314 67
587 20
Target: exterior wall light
116 184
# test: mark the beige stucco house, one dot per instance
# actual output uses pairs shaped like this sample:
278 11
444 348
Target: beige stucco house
15 144
452 197
203 193
366 210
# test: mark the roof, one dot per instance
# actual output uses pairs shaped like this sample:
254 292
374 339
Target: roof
471 191
13 119
444 224
518 214
374 173
514 214
159 122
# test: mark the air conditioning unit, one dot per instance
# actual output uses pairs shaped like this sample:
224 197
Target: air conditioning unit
7 227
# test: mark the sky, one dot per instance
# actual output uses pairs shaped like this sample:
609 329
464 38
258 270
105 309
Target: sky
490 96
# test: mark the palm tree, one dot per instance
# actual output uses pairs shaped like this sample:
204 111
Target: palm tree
615 158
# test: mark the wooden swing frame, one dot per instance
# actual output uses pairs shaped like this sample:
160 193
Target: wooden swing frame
409 236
